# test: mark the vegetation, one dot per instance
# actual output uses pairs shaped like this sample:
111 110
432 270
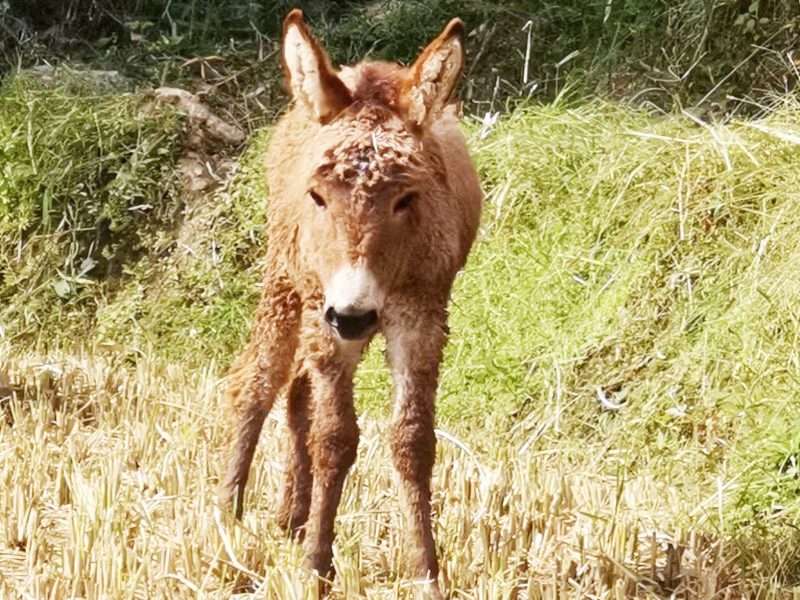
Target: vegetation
88 185
693 52
618 408
110 494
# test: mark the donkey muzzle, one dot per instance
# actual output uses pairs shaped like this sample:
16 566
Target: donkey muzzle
351 325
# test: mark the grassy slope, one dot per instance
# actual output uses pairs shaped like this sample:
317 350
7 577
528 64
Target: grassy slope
87 188
648 262
623 362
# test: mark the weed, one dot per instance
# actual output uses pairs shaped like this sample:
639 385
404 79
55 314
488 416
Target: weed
87 188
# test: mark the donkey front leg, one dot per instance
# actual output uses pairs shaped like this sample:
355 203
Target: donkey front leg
254 381
333 445
414 351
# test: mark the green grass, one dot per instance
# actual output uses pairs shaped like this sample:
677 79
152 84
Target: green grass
650 264
87 188
657 273
196 303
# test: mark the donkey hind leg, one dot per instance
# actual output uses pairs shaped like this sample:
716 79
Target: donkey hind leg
415 371
294 509
333 444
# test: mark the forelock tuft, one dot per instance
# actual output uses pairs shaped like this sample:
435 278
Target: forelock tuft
375 147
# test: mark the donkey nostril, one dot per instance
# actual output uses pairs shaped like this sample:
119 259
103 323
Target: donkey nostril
351 326
330 316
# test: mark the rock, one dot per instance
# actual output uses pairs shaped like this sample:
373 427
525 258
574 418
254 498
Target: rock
202 123
202 164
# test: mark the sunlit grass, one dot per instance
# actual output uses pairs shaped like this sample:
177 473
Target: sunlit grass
108 491
618 404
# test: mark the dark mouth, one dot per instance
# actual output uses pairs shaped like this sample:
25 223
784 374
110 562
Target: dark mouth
351 327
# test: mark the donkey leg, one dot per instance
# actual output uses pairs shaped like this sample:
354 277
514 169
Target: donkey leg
297 488
414 351
255 379
246 409
333 443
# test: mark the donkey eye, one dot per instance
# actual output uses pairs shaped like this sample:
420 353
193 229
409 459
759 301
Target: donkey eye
317 199
405 202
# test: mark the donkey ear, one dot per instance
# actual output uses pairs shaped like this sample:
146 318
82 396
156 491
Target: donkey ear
434 75
309 74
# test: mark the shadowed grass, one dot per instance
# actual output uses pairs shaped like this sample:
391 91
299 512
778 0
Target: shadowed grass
660 53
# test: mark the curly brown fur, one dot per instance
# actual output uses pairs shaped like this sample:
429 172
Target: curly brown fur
374 205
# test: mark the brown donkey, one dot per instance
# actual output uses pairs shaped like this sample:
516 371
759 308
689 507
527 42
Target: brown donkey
374 205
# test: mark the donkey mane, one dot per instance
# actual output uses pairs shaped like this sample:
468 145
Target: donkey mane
376 82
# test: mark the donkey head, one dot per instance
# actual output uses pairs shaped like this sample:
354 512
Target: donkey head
373 178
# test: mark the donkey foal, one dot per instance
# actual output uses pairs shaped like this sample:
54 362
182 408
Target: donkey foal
374 205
